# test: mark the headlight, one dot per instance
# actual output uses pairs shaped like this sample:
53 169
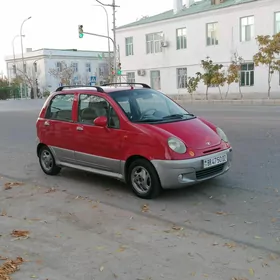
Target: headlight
177 145
222 134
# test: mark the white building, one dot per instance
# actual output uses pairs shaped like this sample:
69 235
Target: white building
88 66
164 49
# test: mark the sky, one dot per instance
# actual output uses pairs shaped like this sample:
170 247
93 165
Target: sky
54 23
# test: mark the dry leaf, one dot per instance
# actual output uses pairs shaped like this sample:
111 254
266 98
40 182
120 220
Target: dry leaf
51 190
239 278
33 276
9 267
205 275
177 228
257 237
215 244
193 274
251 271
121 249
145 208
273 220
9 185
230 245
20 233
221 213
3 213
101 268
273 257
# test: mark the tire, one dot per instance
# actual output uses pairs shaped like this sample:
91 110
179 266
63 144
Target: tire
52 169
138 168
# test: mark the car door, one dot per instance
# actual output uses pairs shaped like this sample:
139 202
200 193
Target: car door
58 128
98 147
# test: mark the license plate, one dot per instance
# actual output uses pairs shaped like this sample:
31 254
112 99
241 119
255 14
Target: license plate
215 161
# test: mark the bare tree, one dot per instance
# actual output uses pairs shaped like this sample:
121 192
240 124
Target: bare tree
63 73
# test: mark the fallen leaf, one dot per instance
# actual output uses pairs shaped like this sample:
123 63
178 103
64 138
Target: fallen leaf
3 213
273 220
257 237
273 257
215 244
239 278
51 190
101 268
9 185
264 264
121 249
221 213
132 229
249 223
205 275
33 276
251 271
177 228
193 274
9 267
94 206
145 208
20 233
230 245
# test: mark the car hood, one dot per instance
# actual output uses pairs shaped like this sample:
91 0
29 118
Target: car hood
194 132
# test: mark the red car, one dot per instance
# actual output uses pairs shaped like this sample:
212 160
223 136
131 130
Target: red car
132 133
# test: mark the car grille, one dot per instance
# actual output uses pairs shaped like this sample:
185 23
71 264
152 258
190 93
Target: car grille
208 172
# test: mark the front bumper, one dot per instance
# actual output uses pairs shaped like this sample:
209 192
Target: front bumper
180 173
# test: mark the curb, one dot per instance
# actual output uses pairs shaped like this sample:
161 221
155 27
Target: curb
236 102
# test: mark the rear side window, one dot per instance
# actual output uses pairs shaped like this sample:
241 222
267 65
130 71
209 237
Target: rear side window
60 108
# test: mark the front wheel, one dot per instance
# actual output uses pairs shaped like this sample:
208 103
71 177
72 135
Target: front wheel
47 161
143 179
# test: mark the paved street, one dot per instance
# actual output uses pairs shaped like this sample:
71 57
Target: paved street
243 205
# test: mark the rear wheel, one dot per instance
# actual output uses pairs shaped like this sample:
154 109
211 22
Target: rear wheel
143 179
47 161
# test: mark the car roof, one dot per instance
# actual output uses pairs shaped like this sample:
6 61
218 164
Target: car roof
107 88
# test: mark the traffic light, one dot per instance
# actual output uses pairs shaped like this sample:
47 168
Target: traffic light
81 31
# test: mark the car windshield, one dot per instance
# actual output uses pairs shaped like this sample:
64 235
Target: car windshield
149 106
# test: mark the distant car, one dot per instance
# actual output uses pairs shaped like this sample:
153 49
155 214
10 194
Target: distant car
132 133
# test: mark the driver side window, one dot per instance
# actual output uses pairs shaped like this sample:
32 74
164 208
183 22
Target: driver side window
92 107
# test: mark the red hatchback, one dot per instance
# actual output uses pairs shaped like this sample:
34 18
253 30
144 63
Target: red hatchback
131 133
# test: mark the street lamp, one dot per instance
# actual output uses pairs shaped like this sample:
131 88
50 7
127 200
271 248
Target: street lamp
108 34
13 43
22 50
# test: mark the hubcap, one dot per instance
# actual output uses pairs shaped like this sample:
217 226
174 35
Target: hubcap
47 160
141 179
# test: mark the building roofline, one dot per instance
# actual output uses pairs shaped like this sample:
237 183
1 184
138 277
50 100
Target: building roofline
199 7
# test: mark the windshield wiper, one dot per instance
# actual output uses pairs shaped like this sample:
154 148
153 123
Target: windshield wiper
177 116
148 120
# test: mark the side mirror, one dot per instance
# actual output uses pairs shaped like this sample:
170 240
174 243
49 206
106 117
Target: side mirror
101 121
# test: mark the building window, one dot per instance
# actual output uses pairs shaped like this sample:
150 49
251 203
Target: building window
247 75
35 67
181 38
246 28
182 78
129 46
88 67
131 77
155 79
74 65
24 68
277 22
212 34
153 42
59 66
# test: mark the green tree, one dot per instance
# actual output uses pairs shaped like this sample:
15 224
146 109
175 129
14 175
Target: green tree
233 73
192 83
212 76
268 55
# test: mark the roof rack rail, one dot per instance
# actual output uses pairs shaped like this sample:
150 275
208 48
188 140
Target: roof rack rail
99 89
130 84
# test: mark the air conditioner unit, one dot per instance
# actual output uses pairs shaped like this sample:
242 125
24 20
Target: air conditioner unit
141 72
164 44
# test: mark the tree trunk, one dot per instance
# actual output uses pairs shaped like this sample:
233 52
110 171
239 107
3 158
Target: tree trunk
227 92
220 93
269 82
207 93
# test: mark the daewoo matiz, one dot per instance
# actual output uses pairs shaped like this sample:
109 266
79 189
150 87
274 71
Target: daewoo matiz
132 133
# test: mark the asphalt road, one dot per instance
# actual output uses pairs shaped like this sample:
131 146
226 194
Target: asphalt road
243 205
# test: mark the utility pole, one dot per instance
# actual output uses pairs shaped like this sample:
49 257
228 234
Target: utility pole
114 6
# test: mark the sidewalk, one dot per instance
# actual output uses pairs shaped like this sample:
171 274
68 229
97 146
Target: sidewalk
72 237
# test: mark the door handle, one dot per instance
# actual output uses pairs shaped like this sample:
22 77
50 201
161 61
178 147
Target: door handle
80 128
46 123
